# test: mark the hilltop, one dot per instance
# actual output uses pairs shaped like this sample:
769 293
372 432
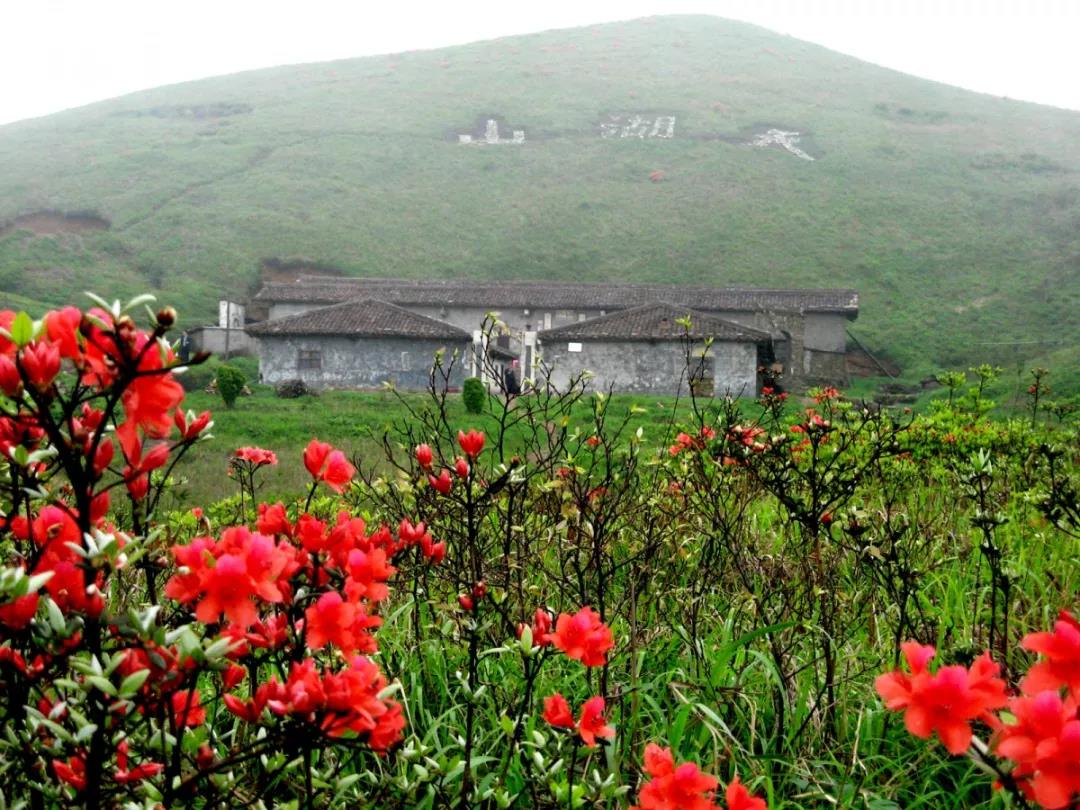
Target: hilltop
956 215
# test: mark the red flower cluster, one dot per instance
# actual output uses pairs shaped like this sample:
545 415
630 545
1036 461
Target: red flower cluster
685 787
589 725
945 702
472 443
336 703
328 465
749 437
583 637
55 533
540 628
684 441
256 456
226 575
1039 732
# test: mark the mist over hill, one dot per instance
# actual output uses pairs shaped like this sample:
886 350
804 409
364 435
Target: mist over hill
672 149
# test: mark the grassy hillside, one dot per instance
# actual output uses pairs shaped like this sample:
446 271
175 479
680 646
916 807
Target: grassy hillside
956 215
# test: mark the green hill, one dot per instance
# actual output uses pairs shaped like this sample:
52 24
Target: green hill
955 214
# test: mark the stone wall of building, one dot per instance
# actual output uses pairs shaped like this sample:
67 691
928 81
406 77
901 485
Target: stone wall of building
213 339
345 362
651 367
809 345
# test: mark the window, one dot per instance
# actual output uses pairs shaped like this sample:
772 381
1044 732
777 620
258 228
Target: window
547 320
310 359
406 363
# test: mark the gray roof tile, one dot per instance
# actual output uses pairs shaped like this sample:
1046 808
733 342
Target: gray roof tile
655 322
367 317
562 295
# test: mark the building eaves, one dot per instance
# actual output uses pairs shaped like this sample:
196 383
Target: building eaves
562 295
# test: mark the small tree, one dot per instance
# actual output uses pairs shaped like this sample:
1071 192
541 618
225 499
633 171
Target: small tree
230 383
474 394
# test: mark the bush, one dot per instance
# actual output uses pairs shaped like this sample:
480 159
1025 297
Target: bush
474 395
230 384
294 389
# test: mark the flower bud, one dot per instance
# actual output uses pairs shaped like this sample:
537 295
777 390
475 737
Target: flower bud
166 317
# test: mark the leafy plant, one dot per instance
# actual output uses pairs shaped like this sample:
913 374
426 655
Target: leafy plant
230 384
474 394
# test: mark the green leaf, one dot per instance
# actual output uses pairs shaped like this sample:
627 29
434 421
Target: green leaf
56 616
133 682
102 684
22 330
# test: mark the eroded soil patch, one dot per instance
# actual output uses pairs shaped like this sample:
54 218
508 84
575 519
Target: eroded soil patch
46 223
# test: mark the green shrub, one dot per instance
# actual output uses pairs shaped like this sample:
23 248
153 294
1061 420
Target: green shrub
474 395
230 384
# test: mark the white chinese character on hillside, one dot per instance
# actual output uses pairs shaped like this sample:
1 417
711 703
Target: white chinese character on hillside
638 126
492 136
785 140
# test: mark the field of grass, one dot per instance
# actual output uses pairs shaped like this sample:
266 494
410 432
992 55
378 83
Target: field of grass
749 568
954 214
719 604
357 423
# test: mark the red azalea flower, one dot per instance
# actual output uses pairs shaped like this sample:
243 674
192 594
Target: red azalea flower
73 771
461 467
328 465
443 484
739 798
557 712
583 637
945 702
62 327
591 724
273 520
674 786
332 620
41 364
315 457
1060 665
424 456
124 776
541 628
232 676
10 379
17 614
230 573
433 552
187 709
1044 742
410 535
256 455
368 572
189 425
471 443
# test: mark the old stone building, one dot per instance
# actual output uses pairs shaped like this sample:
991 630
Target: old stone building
357 344
651 350
801 331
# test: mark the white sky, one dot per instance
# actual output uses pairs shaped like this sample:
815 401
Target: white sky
56 54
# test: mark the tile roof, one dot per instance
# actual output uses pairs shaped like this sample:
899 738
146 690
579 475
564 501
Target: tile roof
655 322
562 295
367 317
